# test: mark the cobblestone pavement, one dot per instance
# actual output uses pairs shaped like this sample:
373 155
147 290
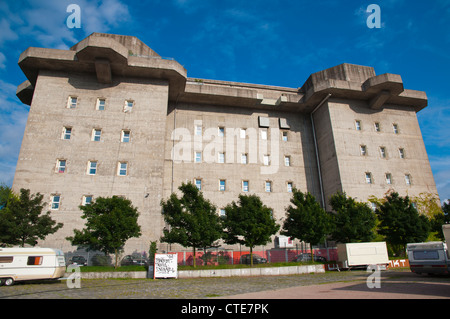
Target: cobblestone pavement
199 288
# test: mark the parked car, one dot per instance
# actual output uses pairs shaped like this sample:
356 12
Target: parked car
245 259
130 260
307 257
78 260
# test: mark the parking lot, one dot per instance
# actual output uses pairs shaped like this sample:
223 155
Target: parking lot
346 284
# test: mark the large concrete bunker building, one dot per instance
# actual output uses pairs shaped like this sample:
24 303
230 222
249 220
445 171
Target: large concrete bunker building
111 117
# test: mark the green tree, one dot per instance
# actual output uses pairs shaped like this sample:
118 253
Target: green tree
110 222
401 223
306 220
249 222
353 221
21 221
193 220
439 219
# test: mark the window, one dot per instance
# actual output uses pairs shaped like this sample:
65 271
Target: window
242 132
92 168
243 158
264 134
221 158
373 206
363 150
6 259
100 104
198 130
87 199
245 186
221 131
60 166
369 178
382 152
125 138
287 161
266 160
401 152
388 178
268 186
96 133
222 184
72 102
284 136
222 212
56 201
128 106
408 179
67 133
198 183
122 169
358 125
377 127
395 128
198 157
34 260
289 187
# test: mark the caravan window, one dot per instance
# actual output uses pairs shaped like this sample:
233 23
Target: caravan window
6 259
426 255
34 260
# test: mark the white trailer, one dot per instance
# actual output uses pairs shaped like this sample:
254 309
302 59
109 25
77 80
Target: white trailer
19 264
362 255
429 258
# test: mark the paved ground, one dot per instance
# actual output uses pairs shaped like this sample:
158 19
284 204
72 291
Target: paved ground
349 284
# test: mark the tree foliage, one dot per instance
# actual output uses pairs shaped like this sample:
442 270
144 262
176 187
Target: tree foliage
401 223
249 222
21 219
306 220
110 222
193 220
353 221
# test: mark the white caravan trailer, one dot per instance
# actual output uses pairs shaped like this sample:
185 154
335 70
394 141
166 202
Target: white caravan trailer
358 255
17 264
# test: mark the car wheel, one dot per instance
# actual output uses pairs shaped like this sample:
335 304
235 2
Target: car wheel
8 282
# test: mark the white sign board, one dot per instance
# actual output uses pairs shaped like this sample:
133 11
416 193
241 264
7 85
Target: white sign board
166 266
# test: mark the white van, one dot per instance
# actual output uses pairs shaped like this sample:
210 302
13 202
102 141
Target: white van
430 258
18 264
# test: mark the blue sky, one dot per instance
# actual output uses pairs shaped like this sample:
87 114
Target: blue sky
265 42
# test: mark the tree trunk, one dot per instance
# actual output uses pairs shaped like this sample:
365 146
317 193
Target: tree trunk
195 257
116 257
251 256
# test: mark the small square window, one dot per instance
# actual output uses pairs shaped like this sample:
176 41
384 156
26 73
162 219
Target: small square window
87 200
268 186
395 128
128 107
198 157
245 187
289 187
358 125
388 178
221 158
382 152
222 212
222 185
287 161
125 138
221 131
284 136
243 158
198 184
408 179
369 178
100 104
377 127
56 202
96 133
198 130
67 133
122 169
401 152
72 102
264 134
363 150
61 166
266 160
92 168
242 132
